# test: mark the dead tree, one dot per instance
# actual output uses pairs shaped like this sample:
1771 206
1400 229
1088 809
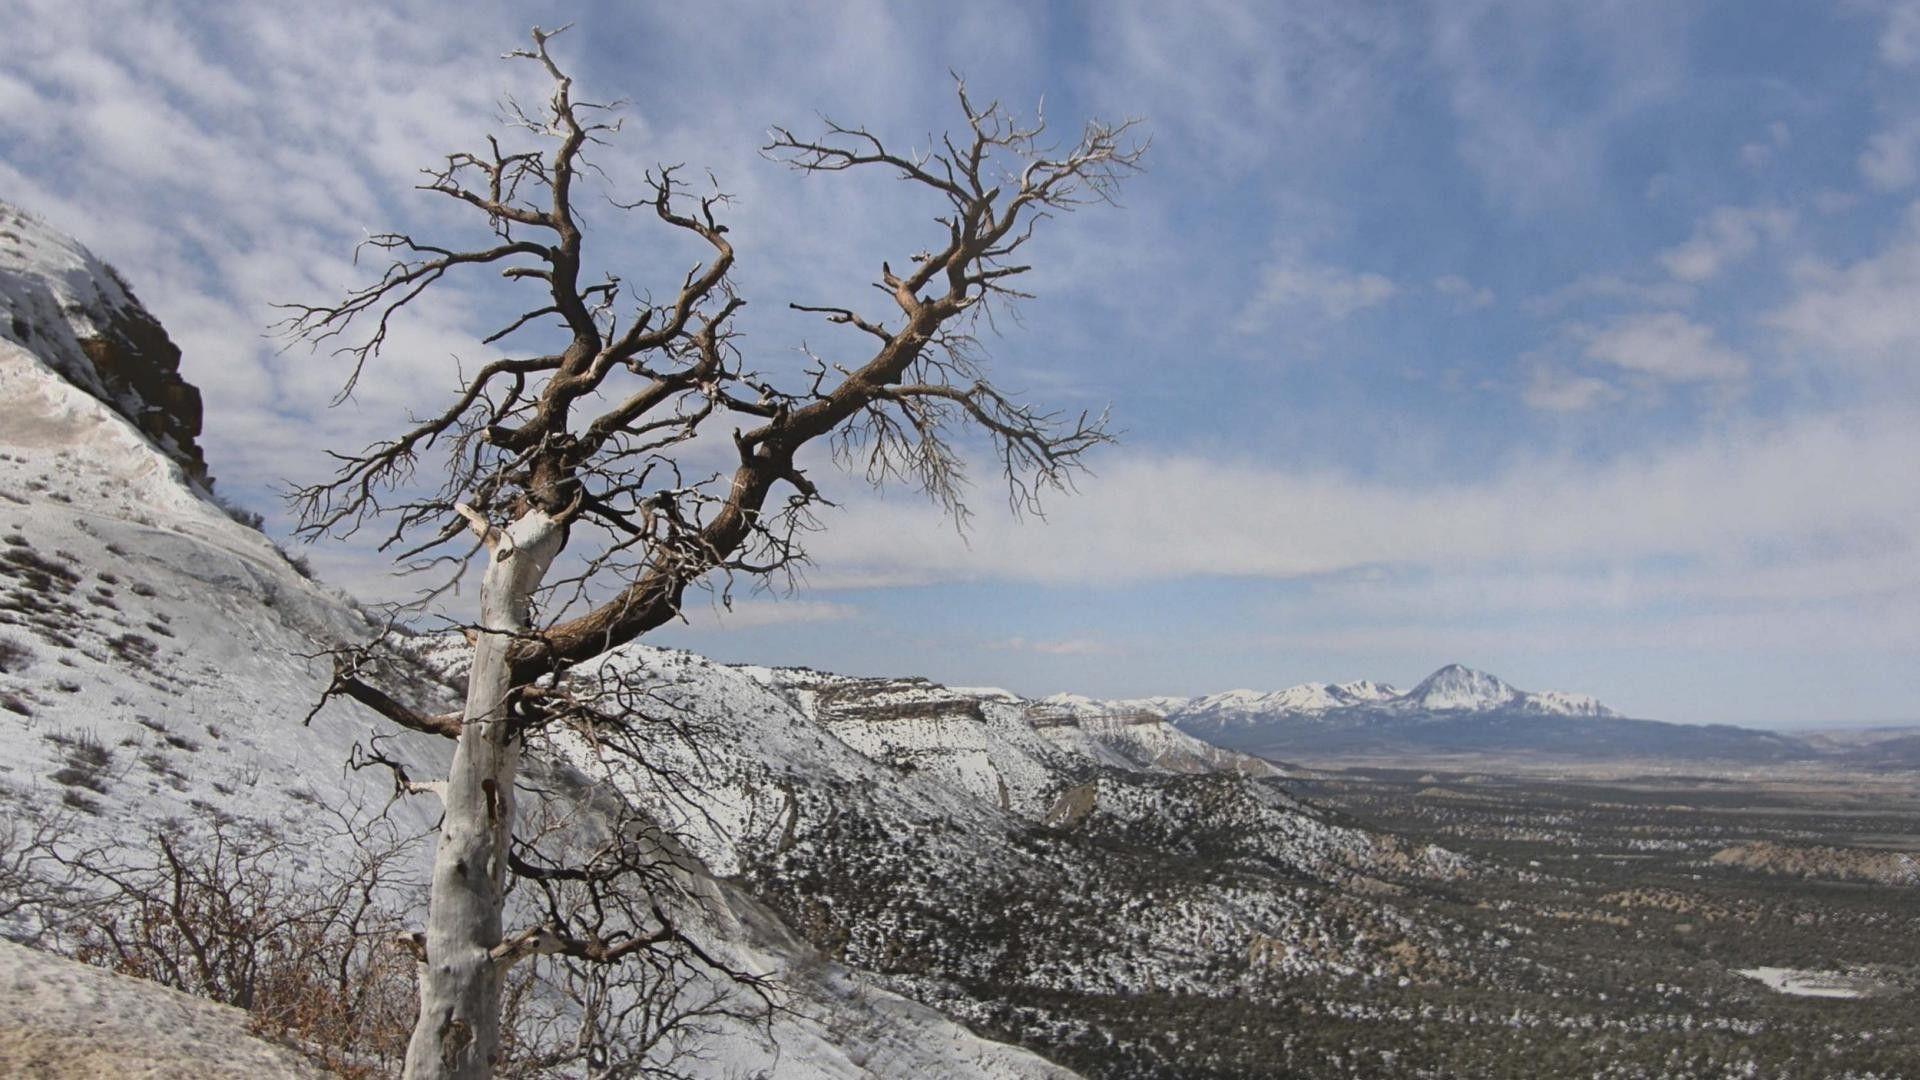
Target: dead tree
583 446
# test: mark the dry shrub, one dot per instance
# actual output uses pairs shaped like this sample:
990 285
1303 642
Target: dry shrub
309 953
320 956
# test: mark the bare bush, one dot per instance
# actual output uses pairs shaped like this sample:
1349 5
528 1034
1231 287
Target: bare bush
320 957
227 915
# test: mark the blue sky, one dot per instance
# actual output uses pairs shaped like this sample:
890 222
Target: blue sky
1575 342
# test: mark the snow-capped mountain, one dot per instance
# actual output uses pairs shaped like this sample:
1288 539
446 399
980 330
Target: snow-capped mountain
1248 706
1453 688
1455 711
1456 688
1365 690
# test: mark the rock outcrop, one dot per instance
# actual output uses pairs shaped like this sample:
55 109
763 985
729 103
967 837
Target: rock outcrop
75 312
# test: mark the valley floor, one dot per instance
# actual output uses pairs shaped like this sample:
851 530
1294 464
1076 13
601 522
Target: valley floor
1651 927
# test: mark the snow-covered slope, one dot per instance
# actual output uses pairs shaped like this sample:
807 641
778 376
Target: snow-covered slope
1457 687
140 618
974 850
1134 733
154 667
1561 703
888 847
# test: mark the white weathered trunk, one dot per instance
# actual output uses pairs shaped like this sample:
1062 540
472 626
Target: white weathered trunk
457 1036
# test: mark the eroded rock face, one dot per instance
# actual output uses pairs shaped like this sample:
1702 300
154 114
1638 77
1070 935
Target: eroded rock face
60 302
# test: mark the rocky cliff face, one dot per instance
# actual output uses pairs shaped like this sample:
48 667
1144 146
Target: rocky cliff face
77 314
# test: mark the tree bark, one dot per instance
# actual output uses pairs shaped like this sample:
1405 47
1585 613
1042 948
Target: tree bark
457 1036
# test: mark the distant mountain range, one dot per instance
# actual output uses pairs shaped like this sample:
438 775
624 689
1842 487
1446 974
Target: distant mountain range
1454 711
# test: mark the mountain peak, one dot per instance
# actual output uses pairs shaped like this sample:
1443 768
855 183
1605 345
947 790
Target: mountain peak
1457 686
1366 690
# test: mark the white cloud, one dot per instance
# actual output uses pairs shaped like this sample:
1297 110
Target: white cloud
1723 580
1829 201
1747 487
1900 37
1609 287
1865 315
1553 390
1724 237
1668 346
1306 74
1789 630
1891 160
750 613
1291 285
1062 647
1759 153
1505 67
1465 292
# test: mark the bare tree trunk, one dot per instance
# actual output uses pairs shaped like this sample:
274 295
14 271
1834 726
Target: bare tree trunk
457 1036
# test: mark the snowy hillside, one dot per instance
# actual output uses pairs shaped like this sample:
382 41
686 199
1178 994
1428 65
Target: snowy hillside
152 669
896 852
974 850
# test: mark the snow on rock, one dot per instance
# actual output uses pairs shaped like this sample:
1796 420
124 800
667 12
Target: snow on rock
1128 735
75 312
966 846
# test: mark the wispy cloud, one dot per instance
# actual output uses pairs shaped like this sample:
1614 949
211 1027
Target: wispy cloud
1667 346
1612 289
1061 647
1761 152
1860 315
1552 389
1329 292
1299 74
1900 35
742 614
1724 237
1650 398
1747 487
1891 160
1465 293
1535 150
